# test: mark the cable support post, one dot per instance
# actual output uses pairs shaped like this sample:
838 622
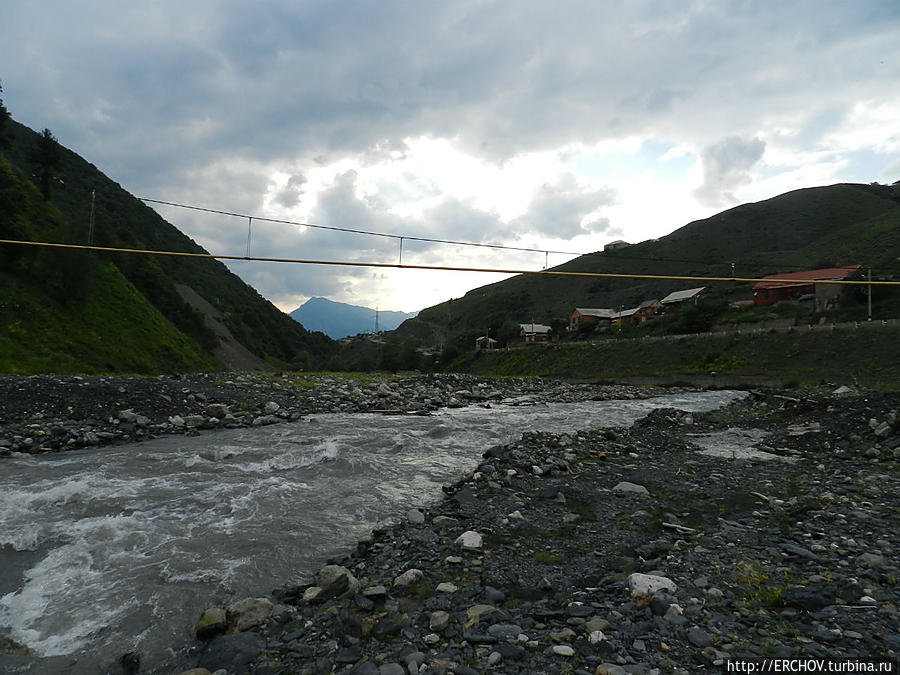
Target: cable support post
249 231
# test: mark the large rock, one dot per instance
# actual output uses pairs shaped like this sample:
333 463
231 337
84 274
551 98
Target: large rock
330 573
212 622
249 612
648 584
408 578
626 488
234 653
470 540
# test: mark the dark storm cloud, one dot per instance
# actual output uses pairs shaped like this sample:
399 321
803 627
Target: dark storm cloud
726 167
201 102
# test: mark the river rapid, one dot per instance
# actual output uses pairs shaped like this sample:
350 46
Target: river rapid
119 549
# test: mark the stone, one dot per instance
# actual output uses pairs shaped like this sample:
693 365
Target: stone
311 593
870 560
392 669
596 637
378 592
446 587
505 631
699 637
415 517
212 622
219 410
610 669
648 584
409 577
443 521
469 540
625 487
270 408
475 612
494 596
331 573
563 650
234 652
249 612
438 621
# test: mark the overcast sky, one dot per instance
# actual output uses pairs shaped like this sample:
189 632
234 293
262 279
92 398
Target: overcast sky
557 126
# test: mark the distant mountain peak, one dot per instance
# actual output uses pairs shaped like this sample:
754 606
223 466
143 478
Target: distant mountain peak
338 319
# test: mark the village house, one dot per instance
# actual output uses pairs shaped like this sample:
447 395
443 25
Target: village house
626 317
535 332
647 309
587 315
792 286
673 300
485 343
615 245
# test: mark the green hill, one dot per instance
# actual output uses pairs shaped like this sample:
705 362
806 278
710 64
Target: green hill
845 224
70 311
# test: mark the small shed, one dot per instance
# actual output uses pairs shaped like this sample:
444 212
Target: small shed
535 332
485 343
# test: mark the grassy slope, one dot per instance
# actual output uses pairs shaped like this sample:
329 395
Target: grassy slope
868 354
121 220
834 225
114 329
65 312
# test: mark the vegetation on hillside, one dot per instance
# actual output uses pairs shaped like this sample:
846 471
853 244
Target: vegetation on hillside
846 224
121 221
64 311
866 354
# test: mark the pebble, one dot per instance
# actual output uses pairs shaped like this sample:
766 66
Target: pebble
804 571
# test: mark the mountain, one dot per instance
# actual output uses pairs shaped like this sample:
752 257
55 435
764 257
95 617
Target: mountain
844 224
87 311
338 320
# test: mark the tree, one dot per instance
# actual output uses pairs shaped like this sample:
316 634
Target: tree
4 119
45 156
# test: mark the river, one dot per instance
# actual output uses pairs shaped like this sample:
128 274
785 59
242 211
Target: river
117 549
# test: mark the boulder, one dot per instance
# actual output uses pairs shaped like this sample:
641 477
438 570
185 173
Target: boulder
212 622
647 584
249 612
469 540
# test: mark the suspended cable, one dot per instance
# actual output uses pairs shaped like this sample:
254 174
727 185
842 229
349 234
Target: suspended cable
350 230
445 268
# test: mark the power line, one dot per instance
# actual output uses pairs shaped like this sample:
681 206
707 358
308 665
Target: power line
347 263
349 230
614 255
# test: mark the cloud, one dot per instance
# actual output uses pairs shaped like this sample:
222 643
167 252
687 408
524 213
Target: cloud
726 168
455 117
564 209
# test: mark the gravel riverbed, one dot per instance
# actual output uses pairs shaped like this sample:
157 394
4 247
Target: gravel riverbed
769 528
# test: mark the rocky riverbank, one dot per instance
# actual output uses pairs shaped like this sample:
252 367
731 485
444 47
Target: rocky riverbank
768 529
49 413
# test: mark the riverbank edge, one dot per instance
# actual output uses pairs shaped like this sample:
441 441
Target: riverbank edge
418 593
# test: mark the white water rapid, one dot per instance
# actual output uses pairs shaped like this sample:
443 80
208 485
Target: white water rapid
117 549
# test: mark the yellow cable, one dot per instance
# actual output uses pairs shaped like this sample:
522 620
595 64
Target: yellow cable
602 275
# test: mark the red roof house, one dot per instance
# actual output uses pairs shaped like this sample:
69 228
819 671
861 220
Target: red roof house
793 285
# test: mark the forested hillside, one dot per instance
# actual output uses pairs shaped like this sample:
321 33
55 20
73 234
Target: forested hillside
50 295
845 224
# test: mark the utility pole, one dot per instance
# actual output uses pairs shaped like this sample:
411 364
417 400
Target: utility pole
91 227
870 293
